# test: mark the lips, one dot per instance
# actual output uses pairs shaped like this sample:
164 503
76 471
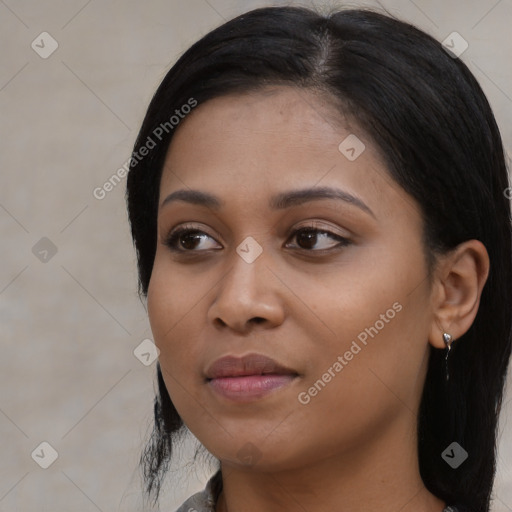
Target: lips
250 364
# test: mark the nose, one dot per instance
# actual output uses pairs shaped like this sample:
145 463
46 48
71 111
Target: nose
248 294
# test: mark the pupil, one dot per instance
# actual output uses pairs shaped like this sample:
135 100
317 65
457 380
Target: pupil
187 238
309 236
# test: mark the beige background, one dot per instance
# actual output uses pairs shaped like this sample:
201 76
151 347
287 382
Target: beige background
70 324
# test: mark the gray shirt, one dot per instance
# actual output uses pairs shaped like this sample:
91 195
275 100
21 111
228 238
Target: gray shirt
205 500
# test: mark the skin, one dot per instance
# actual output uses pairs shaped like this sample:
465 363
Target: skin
353 447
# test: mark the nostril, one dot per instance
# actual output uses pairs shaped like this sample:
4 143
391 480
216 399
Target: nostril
256 320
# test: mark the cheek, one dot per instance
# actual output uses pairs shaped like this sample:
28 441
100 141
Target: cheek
173 311
360 380
377 319
169 300
173 315
161 308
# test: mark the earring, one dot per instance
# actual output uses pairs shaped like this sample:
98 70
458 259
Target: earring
448 342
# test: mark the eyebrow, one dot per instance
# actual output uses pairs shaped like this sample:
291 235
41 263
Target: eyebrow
280 201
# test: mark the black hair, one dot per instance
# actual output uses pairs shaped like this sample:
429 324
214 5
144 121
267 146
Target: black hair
426 113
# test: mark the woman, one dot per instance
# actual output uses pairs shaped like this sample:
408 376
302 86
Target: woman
318 205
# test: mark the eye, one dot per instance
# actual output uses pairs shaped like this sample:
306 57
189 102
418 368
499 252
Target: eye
186 239
311 236
189 239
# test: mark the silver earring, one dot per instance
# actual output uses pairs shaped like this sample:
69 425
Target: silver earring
448 342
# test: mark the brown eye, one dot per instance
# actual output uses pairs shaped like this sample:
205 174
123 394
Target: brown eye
309 237
187 239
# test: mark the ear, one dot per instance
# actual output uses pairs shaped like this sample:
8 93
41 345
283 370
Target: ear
458 284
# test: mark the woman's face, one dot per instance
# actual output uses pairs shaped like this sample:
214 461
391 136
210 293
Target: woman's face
333 288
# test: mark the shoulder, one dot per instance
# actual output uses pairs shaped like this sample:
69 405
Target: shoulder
205 500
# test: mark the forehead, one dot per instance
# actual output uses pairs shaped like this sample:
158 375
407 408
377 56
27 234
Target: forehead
249 146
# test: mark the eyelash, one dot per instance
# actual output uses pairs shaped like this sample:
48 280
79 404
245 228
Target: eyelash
172 239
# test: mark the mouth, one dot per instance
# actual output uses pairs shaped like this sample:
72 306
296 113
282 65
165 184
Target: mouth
248 378
245 366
